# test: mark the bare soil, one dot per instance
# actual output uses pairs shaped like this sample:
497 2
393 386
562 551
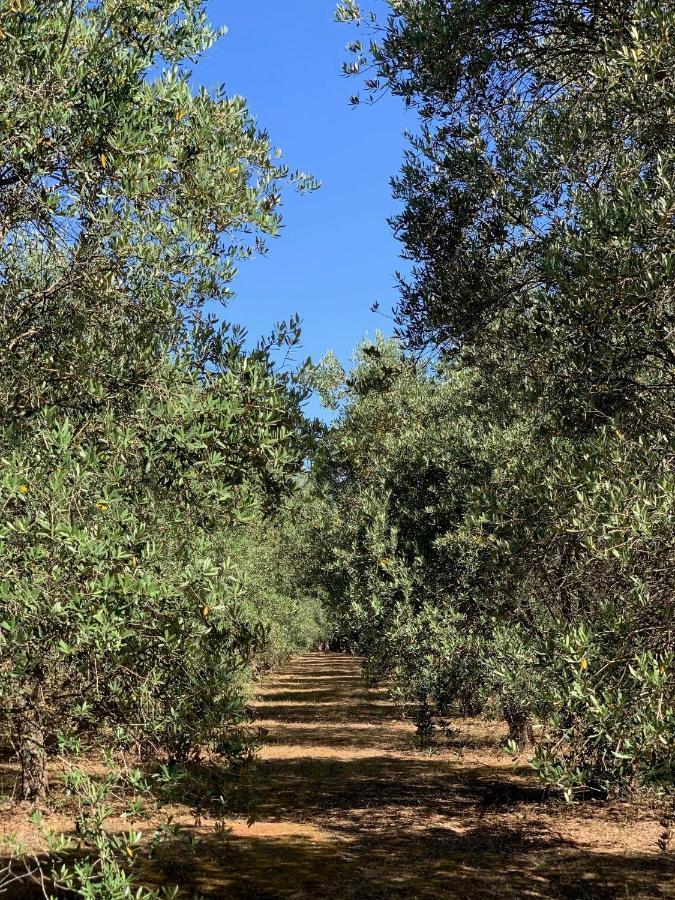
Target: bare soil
347 805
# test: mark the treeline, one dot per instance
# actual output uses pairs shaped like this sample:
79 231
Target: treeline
488 520
148 460
495 525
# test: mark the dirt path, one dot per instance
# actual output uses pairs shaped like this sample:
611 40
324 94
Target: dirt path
348 807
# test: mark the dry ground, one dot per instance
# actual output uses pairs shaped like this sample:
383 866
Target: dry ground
349 807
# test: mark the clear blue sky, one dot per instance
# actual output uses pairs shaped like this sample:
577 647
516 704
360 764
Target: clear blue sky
335 255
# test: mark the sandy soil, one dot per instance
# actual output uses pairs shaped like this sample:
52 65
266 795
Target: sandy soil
347 806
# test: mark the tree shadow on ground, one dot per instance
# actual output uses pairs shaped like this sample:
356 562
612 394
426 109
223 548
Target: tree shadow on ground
504 863
362 737
325 695
367 712
384 827
385 792
346 808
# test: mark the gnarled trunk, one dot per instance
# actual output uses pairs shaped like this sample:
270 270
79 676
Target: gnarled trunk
30 744
520 725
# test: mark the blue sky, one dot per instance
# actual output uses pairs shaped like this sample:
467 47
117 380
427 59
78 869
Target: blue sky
335 255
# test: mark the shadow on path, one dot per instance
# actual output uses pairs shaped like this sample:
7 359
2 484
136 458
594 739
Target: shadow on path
348 807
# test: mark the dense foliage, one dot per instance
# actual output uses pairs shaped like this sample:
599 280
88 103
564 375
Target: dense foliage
141 448
488 519
511 502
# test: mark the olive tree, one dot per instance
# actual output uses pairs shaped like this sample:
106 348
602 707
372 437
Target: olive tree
133 427
537 211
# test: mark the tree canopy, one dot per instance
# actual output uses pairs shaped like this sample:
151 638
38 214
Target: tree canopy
488 518
512 496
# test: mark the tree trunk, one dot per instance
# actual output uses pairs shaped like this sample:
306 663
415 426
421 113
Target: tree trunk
520 725
423 718
32 755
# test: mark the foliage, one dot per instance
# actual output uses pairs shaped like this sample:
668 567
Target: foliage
140 445
98 862
529 520
489 518
485 569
